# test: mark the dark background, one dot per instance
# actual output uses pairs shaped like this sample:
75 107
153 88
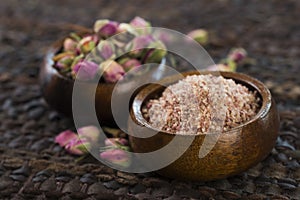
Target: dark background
32 166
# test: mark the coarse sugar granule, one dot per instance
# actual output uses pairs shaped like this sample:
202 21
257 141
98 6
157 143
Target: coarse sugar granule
201 104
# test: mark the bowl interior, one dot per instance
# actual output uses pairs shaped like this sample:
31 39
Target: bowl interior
154 91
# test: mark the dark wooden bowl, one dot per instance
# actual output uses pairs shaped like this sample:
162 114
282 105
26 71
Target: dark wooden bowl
57 89
235 151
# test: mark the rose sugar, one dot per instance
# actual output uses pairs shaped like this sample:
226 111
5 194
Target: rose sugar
200 103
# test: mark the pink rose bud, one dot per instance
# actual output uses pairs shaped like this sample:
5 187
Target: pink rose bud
106 49
156 52
229 67
116 156
64 60
137 46
87 44
65 137
116 141
129 64
200 35
85 70
69 44
105 27
139 22
124 27
91 133
112 71
78 146
237 54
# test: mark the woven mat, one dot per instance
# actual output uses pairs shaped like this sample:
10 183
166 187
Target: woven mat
32 166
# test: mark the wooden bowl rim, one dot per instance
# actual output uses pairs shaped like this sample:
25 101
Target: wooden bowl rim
262 90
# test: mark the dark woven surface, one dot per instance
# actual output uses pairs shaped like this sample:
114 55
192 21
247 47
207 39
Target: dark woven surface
33 167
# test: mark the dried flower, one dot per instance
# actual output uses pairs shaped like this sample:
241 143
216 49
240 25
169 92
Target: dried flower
64 60
106 50
237 55
138 44
78 146
141 25
87 44
116 142
116 156
80 143
85 70
156 52
69 44
106 27
112 71
229 67
130 63
92 133
199 35
65 137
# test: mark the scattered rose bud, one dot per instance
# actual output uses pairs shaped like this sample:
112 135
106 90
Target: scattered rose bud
106 50
85 70
65 137
80 143
229 66
105 27
87 44
112 71
69 44
129 64
116 156
92 133
78 146
199 35
237 55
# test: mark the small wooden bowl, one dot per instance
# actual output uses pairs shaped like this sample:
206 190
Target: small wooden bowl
235 151
57 89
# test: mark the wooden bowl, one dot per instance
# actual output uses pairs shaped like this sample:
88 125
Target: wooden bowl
235 151
57 89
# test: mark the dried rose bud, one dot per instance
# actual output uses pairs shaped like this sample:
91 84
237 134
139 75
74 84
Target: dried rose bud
141 25
87 44
85 70
124 27
229 66
156 52
199 35
112 71
130 63
139 22
106 49
106 27
65 137
116 156
69 44
78 146
64 60
237 54
116 141
91 133
138 44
